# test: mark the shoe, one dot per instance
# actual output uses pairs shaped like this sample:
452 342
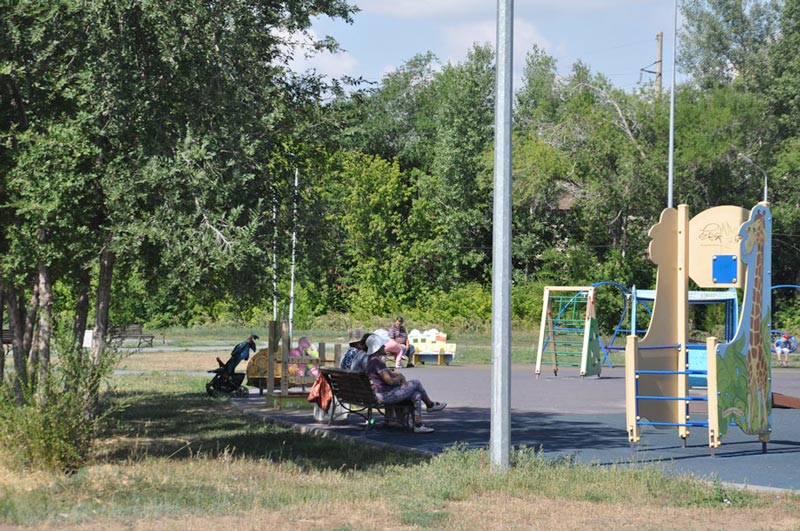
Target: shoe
437 406
398 366
409 365
422 428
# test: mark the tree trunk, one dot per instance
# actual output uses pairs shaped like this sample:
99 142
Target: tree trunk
45 320
31 349
2 327
81 310
102 303
16 323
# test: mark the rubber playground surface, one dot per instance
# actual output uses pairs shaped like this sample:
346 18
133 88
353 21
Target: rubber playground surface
583 418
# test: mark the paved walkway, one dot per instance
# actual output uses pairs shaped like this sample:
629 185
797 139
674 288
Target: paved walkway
579 417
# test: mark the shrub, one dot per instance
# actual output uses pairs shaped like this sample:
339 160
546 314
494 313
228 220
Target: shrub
54 426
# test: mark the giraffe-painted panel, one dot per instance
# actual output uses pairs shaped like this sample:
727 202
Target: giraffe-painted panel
743 365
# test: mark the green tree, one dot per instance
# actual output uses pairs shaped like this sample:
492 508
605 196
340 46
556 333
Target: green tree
397 119
722 40
783 101
372 192
139 136
451 214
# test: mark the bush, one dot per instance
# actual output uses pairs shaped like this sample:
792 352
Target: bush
467 307
48 433
54 426
526 302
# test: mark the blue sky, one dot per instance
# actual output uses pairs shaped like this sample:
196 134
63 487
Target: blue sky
615 37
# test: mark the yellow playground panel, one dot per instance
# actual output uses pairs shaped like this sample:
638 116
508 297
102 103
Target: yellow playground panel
569 330
432 345
722 247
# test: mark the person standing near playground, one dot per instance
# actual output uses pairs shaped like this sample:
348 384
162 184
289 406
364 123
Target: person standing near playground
783 346
400 335
391 387
242 352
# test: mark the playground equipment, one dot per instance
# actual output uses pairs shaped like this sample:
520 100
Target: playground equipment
722 247
697 355
569 329
276 361
620 329
431 346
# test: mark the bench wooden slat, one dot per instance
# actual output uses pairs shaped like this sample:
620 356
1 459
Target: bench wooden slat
356 392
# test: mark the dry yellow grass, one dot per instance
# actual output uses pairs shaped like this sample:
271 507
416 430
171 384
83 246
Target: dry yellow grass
482 513
178 360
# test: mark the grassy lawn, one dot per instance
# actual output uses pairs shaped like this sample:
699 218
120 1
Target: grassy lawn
172 458
473 347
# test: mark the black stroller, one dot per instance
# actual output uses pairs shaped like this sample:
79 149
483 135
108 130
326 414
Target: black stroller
227 381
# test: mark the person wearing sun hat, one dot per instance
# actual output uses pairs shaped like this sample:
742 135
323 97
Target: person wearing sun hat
356 355
392 387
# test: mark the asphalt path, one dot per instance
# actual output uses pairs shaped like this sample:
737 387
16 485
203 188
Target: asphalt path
570 416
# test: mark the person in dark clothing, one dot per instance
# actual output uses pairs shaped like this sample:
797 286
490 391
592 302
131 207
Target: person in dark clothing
241 352
356 352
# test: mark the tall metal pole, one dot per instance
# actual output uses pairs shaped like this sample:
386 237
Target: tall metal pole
274 259
500 434
672 110
294 248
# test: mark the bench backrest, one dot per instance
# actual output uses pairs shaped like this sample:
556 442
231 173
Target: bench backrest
354 387
134 330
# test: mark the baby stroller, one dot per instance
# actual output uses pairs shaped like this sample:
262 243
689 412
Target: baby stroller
227 381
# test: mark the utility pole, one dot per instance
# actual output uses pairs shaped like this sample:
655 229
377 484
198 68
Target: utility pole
659 62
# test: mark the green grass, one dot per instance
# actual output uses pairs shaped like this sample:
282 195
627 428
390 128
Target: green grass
171 451
170 416
472 347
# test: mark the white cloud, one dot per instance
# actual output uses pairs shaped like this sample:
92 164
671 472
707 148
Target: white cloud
338 65
459 39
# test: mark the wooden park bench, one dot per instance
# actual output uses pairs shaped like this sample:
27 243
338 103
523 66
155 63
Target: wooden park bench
354 392
120 334
7 337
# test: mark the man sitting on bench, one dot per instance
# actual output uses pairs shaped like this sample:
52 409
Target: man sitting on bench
392 387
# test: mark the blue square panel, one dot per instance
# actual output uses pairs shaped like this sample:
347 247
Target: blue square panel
724 269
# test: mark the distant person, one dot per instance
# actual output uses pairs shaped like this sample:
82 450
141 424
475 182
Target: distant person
399 334
241 352
392 387
306 349
356 355
783 346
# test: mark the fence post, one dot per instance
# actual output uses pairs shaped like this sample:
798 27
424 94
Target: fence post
285 357
272 348
337 354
